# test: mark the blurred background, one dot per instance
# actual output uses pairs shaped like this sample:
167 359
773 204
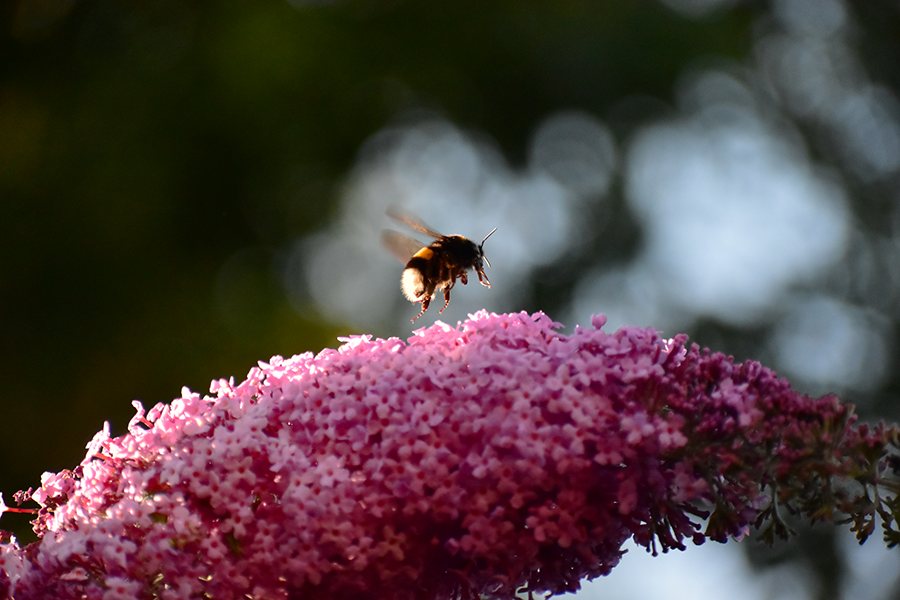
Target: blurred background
188 188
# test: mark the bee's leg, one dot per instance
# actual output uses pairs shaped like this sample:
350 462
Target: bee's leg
426 301
484 279
446 298
447 289
464 278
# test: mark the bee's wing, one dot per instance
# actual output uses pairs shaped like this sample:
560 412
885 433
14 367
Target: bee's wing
402 246
411 221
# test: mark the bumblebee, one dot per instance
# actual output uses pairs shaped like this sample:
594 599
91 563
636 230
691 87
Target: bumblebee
435 266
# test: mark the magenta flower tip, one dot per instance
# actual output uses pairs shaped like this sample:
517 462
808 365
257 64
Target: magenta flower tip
486 458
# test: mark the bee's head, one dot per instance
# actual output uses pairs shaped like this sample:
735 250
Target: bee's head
481 247
479 267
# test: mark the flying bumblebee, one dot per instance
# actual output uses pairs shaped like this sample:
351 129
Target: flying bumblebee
435 266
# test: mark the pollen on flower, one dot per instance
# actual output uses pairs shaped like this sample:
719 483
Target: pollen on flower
488 458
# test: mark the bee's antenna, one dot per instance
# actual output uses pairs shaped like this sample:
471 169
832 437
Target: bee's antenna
481 246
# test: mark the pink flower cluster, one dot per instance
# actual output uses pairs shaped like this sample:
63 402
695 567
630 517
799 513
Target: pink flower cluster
483 459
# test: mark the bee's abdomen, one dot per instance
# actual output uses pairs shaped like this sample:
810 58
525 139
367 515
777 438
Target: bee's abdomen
413 281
